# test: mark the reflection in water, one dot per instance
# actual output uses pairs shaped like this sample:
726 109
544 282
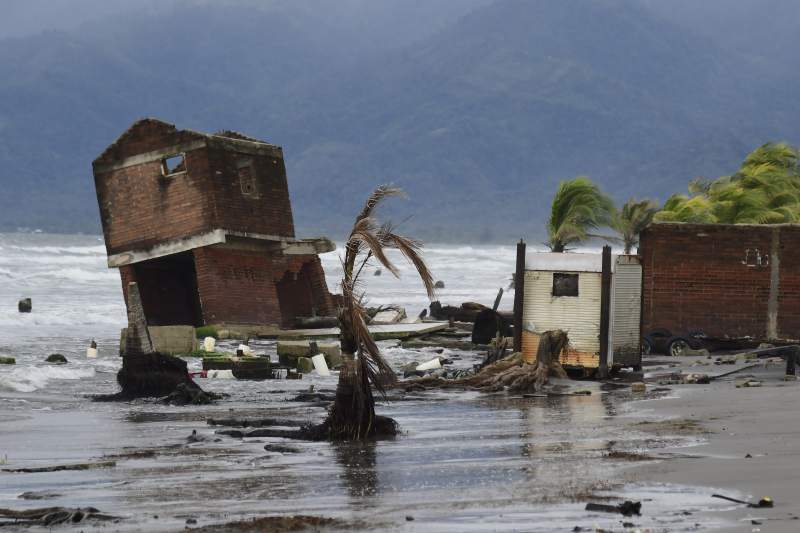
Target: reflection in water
357 460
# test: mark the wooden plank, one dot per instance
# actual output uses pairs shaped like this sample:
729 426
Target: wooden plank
605 311
519 295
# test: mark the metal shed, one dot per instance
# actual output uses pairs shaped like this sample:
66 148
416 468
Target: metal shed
566 291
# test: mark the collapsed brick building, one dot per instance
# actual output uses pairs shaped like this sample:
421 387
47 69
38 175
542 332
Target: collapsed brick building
728 281
203 224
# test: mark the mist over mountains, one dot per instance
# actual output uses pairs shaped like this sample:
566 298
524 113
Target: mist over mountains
476 107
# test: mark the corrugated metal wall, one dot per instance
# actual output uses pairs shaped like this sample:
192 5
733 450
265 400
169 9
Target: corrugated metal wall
626 305
578 316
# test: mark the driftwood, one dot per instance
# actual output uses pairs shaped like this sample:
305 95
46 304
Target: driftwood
467 312
51 516
512 373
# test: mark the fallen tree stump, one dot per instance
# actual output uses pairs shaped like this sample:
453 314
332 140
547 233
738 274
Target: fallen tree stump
512 373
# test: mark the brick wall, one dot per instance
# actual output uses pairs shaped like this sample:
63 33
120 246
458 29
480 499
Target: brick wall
140 208
716 278
239 286
267 209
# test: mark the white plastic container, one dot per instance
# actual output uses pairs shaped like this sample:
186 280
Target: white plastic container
320 365
209 344
245 349
433 364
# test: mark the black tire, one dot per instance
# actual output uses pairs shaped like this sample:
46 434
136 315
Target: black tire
677 346
647 346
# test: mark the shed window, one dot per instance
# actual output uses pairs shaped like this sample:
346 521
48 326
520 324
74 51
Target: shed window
565 284
173 164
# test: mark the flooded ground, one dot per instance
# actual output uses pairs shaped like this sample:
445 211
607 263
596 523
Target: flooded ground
465 461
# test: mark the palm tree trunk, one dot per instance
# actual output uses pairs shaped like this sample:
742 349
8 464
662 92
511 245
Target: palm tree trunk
352 414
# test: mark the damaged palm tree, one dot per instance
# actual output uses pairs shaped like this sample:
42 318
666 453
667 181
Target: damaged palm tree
352 415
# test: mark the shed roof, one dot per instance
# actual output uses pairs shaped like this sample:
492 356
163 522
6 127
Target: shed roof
566 262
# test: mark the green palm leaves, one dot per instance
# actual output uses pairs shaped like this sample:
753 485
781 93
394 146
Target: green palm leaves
765 190
632 219
578 208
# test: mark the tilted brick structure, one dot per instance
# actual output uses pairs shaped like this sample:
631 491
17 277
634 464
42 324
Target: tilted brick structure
725 280
203 224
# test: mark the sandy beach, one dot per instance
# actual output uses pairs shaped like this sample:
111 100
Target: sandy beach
735 423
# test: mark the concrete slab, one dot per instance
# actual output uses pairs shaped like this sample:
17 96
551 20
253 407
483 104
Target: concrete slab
379 332
172 340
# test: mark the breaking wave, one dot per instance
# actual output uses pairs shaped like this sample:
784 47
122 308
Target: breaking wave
32 378
76 250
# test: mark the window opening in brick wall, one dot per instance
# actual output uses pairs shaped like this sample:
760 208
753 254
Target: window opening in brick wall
565 284
173 164
247 179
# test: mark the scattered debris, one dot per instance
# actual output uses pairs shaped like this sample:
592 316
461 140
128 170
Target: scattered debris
25 305
439 285
189 393
7 361
696 378
91 351
378 272
281 524
747 382
59 468
638 386
626 508
41 495
51 516
391 315
765 502
281 448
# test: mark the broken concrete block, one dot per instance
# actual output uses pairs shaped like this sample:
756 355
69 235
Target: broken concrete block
638 387
304 365
25 305
171 340
289 351
389 316
696 378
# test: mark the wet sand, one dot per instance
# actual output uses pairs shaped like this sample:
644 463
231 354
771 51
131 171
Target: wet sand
466 461
759 421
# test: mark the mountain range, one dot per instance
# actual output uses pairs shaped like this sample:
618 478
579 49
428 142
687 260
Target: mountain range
477 108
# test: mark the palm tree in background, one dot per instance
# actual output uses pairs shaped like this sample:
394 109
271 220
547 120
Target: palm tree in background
765 190
632 219
352 415
579 206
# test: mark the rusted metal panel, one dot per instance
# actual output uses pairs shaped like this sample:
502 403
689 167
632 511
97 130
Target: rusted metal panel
578 315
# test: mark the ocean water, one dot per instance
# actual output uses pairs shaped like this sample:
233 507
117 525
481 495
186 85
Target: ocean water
465 461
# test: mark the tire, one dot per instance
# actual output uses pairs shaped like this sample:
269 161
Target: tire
647 346
677 347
